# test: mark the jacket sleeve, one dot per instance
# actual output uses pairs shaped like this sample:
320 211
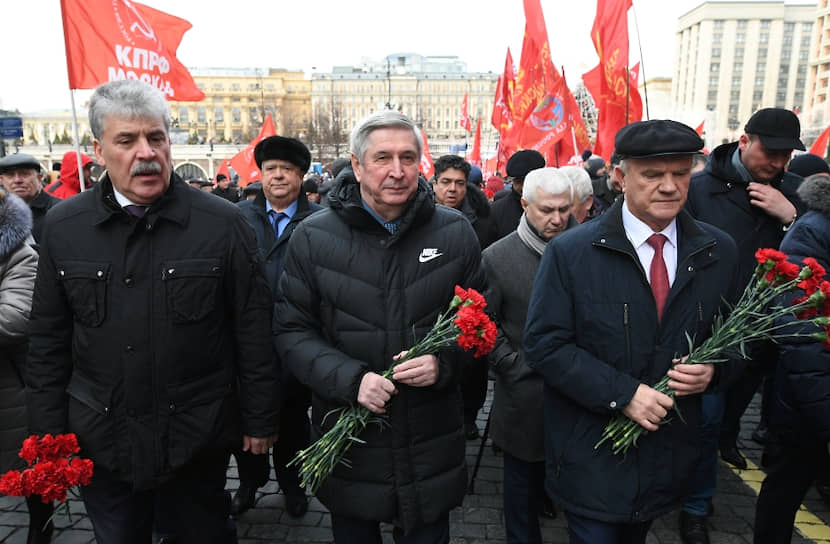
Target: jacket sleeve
49 361
550 341
257 366
298 329
16 286
803 379
504 355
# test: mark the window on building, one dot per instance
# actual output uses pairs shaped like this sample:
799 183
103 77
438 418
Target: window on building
762 53
201 117
762 66
713 81
805 41
765 24
235 86
738 67
218 114
741 24
787 40
736 81
712 95
798 98
269 86
733 123
734 95
217 86
763 37
739 52
253 114
236 112
716 52
717 37
780 98
757 95
759 81
789 27
733 108
714 67
802 55
718 24
740 37
183 114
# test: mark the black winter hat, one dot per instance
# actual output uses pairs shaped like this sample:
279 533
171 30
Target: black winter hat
808 164
282 148
778 128
523 162
18 160
656 138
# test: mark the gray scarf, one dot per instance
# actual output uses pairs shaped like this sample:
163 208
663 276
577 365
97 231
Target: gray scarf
529 236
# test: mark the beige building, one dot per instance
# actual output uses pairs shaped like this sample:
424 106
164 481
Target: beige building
736 57
429 90
818 112
237 101
48 126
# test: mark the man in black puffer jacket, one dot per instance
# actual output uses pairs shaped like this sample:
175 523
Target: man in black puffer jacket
362 281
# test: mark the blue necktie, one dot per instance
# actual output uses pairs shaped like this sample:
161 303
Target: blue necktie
277 218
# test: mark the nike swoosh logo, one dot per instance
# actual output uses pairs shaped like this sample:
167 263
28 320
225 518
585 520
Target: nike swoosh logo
426 258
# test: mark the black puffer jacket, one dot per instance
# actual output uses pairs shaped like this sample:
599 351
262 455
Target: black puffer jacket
149 337
352 296
801 405
18 265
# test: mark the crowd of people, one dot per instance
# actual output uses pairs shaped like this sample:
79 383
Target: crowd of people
170 329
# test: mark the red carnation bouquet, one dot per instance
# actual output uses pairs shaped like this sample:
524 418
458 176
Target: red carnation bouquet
756 316
53 469
464 323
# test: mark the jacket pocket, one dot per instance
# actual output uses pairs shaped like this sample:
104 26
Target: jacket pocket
85 284
203 413
191 287
91 419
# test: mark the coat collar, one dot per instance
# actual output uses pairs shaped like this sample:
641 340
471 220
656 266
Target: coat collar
174 205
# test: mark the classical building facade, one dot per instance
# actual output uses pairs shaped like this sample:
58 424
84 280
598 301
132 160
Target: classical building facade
237 101
819 78
429 90
736 57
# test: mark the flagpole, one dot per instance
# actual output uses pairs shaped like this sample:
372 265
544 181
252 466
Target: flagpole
77 141
627 93
642 62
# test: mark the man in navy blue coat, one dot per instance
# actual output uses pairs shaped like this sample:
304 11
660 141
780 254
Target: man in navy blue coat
600 344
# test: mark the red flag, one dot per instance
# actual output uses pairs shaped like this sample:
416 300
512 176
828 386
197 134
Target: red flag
223 169
426 166
537 90
465 119
699 128
107 40
819 147
613 97
243 162
502 116
475 154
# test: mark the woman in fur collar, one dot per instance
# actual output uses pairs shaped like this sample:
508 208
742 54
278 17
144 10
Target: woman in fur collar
18 266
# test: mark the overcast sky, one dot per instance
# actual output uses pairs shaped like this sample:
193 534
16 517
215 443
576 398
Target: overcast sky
321 33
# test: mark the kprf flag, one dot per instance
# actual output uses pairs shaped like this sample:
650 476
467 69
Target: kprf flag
699 129
243 162
426 167
612 91
108 40
502 116
465 119
475 154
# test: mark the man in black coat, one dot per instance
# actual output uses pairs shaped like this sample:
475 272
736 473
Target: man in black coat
452 188
745 191
363 281
150 334
225 189
275 211
600 344
507 206
20 174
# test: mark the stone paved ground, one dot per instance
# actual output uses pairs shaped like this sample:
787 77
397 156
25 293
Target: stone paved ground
478 521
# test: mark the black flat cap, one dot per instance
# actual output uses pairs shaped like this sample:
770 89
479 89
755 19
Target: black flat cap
779 129
522 162
18 160
656 138
284 149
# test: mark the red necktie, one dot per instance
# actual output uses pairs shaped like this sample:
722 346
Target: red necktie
659 275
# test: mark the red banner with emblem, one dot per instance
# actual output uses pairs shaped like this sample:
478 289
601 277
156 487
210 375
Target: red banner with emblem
426 167
243 162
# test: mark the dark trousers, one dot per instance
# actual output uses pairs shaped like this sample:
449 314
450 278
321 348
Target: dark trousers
294 436
473 387
200 507
524 488
740 394
789 476
358 531
590 531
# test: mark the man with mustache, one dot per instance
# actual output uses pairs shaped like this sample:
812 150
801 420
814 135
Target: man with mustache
150 335
745 191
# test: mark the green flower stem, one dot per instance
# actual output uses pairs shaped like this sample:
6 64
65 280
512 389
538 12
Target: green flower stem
753 318
319 460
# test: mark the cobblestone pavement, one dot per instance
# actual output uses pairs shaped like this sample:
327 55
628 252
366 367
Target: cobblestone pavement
478 521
